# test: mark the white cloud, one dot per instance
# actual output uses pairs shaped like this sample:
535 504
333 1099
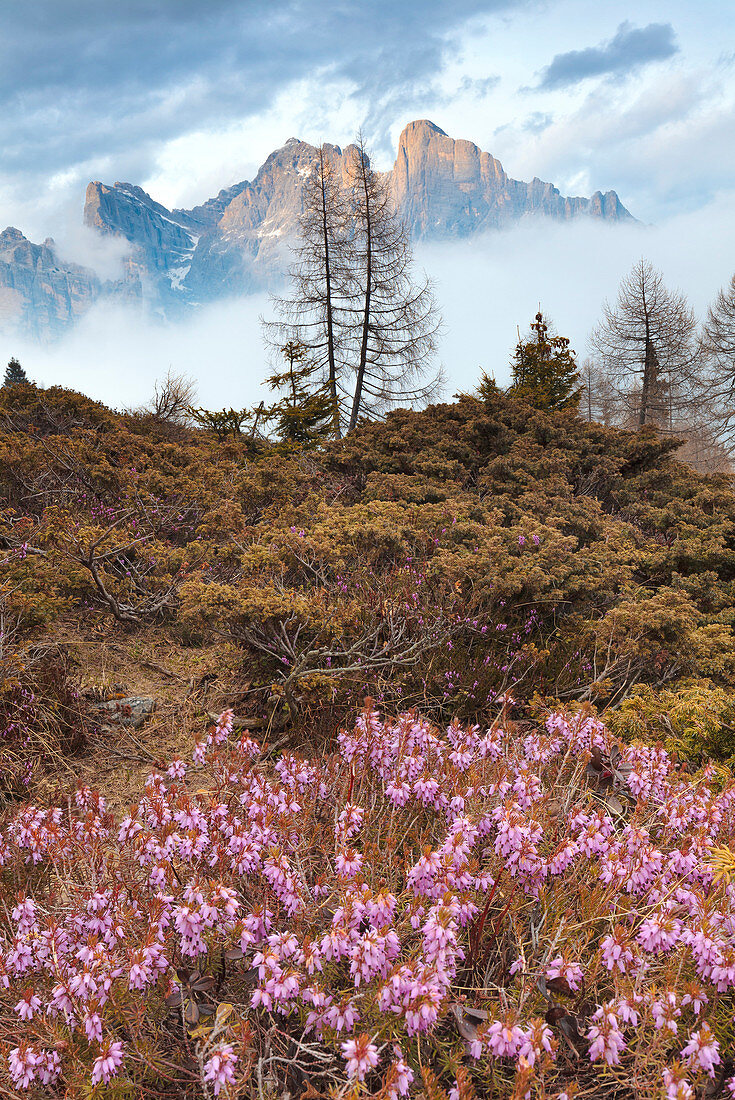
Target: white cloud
116 356
488 286
77 243
196 166
485 288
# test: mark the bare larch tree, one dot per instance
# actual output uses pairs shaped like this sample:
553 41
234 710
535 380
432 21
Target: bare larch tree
646 344
312 315
599 398
394 321
717 343
368 328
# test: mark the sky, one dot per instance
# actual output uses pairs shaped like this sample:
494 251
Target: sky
185 97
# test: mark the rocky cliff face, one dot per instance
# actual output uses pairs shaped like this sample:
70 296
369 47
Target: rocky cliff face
239 241
449 188
163 242
247 247
234 244
39 295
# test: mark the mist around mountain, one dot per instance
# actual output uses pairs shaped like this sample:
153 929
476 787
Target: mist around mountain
237 243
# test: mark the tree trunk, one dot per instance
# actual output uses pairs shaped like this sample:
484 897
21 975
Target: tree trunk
648 366
332 380
357 400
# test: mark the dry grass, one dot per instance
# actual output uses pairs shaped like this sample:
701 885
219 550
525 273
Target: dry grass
110 661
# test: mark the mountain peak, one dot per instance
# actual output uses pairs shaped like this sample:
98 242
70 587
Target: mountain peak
422 127
11 234
239 242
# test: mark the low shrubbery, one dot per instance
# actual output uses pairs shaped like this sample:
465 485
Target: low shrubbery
42 721
522 911
454 552
695 721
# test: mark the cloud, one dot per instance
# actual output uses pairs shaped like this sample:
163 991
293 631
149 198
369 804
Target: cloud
489 285
485 288
666 147
629 50
122 78
537 122
115 354
104 254
477 86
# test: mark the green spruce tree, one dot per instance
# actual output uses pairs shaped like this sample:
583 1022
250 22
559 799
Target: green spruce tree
545 369
305 413
14 374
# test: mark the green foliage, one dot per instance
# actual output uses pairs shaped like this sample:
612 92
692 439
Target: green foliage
14 374
449 554
227 422
545 370
487 389
695 720
304 415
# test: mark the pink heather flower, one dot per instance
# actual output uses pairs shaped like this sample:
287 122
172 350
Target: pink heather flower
108 1063
504 1040
22 1063
536 1040
703 1050
677 1086
426 789
219 1070
350 821
607 1039
177 769
615 951
571 972
380 909
659 934
348 862
93 1027
361 1056
48 1066
28 1005
223 726
342 1017
128 829
25 914
665 1013
627 1012
401 1075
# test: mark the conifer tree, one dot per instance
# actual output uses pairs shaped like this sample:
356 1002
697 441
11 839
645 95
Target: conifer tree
14 374
394 320
311 315
545 369
304 415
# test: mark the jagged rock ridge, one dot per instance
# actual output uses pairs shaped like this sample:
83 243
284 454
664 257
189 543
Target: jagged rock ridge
39 294
450 188
239 241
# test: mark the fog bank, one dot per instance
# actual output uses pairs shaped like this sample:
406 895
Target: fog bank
485 288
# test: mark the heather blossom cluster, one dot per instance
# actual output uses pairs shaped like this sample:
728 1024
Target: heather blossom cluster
487 890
